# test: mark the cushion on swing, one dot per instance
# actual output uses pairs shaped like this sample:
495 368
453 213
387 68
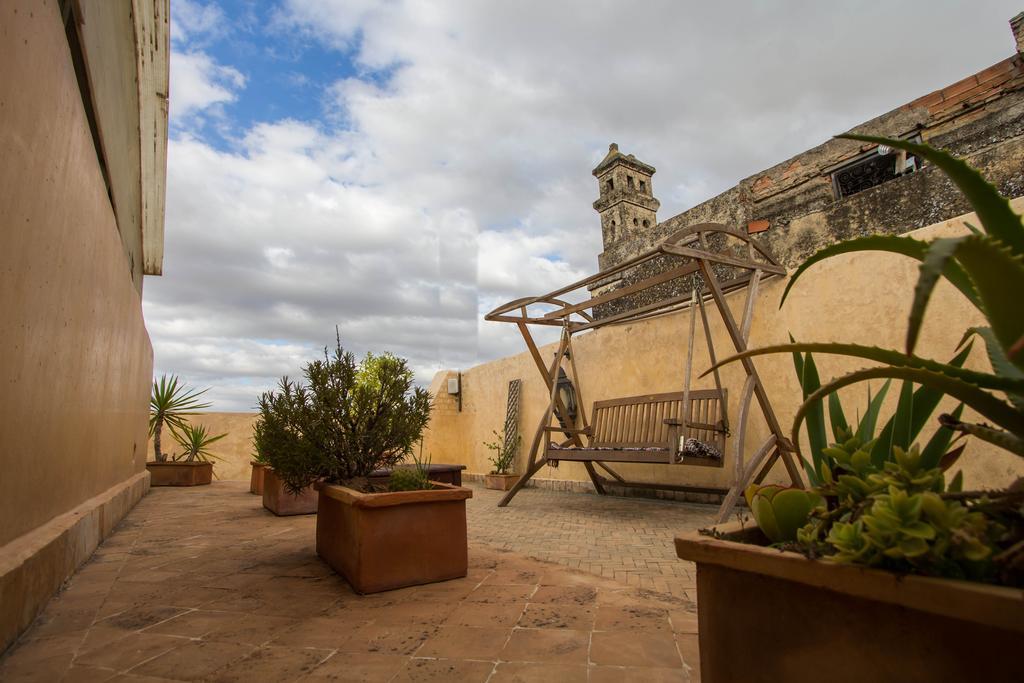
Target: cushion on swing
557 447
692 448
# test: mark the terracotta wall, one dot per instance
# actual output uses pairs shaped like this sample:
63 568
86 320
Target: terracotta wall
234 451
859 298
75 358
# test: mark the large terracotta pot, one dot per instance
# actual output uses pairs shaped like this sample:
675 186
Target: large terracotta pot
180 473
768 615
383 541
282 502
256 478
500 482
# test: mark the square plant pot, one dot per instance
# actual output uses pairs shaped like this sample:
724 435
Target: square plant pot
768 615
500 482
383 541
283 503
256 478
180 473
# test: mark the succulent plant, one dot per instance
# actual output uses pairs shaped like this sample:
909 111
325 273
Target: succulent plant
781 511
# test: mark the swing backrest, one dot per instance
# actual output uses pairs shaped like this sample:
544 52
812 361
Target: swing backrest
639 421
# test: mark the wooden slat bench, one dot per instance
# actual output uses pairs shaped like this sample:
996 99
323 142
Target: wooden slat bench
647 429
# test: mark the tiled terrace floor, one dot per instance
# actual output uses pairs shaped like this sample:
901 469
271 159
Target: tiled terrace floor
627 539
203 584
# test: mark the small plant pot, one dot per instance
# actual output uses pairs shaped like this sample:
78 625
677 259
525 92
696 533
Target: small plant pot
500 482
282 502
180 473
384 541
256 479
768 615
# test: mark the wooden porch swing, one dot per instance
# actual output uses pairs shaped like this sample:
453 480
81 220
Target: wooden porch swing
687 427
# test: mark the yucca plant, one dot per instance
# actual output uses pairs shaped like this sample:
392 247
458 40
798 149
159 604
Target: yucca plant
987 267
196 440
169 404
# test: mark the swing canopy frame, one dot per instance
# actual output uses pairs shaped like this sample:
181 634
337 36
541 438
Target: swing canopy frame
657 428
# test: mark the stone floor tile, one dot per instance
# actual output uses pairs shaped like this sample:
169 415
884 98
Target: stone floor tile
318 632
631 618
415 613
358 667
444 671
389 640
512 576
500 595
483 615
576 617
43 669
87 674
193 660
521 672
124 653
561 646
271 664
683 621
565 595
689 649
465 642
636 674
634 648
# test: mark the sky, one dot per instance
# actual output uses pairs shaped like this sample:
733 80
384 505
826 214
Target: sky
397 169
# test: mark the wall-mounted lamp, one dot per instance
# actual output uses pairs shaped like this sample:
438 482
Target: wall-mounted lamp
455 388
567 394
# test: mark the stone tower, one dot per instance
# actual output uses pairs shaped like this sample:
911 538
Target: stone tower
627 205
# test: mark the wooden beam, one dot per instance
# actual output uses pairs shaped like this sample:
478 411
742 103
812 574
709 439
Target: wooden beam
713 257
660 278
737 490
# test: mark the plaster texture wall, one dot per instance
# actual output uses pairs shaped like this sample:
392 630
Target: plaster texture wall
76 357
860 298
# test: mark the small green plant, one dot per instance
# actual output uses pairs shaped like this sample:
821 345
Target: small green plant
415 478
169 404
196 440
505 450
346 421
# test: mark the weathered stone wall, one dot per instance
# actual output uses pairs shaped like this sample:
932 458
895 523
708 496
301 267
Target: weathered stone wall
980 119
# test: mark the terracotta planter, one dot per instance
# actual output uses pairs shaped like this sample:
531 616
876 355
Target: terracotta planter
281 502
256 479
180 473
767 615
383 541
500 482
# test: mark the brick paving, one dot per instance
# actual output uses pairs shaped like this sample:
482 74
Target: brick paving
626 539
203 584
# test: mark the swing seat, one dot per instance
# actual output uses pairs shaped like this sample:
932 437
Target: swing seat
650 429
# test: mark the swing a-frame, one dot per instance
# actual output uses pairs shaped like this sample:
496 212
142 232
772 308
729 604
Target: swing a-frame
684 428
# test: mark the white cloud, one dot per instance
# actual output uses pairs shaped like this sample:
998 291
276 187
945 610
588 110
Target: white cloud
451 172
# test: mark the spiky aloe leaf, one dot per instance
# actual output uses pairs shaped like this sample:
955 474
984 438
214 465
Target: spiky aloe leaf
1007 440
903 418
998 276
939 443
906 246
994 212
935 261
866 428
809 383
997 357
886 356
975 398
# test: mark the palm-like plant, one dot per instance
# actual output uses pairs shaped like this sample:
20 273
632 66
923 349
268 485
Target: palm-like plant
195 439
987 267
170 403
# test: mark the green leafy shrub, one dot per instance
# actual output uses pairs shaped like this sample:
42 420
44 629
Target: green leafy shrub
196 440
414 478
346 421
505 450
169 404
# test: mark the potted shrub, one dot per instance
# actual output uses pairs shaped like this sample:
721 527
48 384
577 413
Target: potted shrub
884 570
505 449
170 404
348 420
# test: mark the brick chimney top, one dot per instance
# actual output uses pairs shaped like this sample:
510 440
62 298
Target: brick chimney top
1017 26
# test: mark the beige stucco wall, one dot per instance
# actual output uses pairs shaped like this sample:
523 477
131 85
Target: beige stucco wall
234 451
75 356
861 298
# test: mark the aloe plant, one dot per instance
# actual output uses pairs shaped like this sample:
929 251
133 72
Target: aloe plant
987 267
169 404
196 440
